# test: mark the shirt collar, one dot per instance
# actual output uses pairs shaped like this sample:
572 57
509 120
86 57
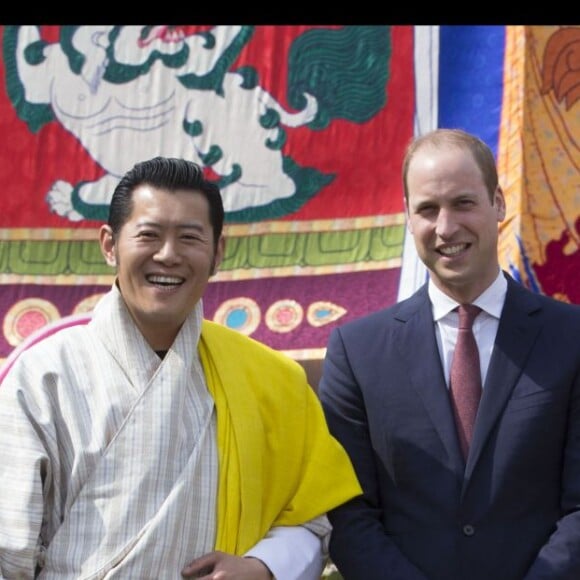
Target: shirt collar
490 300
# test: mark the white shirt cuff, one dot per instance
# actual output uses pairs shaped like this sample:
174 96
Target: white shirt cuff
291 553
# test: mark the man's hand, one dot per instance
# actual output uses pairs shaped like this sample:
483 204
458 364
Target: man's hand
222 566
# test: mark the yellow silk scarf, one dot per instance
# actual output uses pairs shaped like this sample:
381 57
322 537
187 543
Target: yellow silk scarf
278 463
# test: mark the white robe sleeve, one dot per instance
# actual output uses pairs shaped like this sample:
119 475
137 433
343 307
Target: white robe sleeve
23 458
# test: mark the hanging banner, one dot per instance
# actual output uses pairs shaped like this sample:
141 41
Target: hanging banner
302 127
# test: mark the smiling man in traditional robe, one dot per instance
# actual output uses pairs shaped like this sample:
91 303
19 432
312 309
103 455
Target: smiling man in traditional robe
151 443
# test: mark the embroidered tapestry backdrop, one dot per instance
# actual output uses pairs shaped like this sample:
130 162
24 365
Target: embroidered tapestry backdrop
304 129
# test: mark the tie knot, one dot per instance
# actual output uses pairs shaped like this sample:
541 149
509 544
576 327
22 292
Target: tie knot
467 314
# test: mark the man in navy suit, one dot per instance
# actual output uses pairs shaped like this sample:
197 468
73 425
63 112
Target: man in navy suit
511 509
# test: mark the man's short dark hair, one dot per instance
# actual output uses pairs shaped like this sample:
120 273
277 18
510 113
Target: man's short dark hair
170 174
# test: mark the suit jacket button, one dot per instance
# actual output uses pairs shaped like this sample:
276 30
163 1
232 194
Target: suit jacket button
468 530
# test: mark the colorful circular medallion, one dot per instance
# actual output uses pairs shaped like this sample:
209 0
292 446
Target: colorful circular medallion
241 314
27 316
284 315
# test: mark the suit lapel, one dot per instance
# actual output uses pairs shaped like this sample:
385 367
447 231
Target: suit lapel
418 348
516 335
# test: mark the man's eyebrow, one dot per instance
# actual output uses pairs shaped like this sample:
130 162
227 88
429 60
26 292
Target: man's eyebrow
183 226
424 203
191 226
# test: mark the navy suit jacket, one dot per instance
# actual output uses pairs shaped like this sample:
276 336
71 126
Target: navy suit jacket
513 511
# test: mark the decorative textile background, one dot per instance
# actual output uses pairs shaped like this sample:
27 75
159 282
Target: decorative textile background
304 129
540 159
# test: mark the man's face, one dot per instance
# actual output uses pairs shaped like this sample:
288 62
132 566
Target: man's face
164 255
452 220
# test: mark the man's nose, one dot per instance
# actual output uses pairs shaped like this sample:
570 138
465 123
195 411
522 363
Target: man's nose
168 252
446 224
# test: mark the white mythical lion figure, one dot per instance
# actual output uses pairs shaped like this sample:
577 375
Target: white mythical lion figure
129 93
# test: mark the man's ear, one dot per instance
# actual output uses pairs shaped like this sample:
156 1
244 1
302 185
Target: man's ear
407 218
500 204
107 243
219 255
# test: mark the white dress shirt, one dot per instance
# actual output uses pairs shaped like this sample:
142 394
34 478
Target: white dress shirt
485 326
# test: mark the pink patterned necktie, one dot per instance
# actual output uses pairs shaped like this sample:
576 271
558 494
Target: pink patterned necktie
465 378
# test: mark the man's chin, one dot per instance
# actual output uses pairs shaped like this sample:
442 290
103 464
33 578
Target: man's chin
451 279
